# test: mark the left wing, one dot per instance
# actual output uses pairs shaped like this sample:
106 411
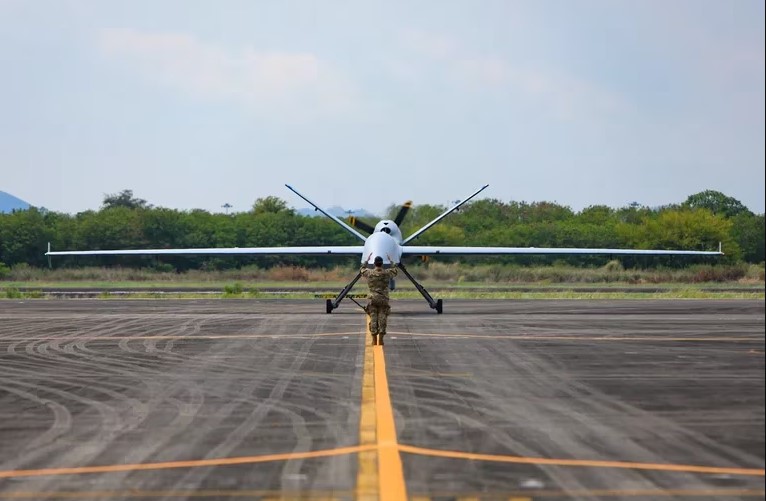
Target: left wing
340 250
413 250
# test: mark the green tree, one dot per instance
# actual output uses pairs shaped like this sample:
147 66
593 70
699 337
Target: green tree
685 229
115 228
596 214
271 205
717 203
124 199
749 231
24 236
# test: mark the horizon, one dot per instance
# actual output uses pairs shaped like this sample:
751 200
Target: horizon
362 212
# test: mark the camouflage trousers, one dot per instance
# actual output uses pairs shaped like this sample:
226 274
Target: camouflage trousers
378 312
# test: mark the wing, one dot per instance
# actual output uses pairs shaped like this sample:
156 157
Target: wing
340 250
413 250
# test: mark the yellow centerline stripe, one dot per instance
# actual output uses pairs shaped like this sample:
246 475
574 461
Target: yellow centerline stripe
753 472
367 461
196 463
390 469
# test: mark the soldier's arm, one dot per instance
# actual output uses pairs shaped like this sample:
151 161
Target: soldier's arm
364 270
394 269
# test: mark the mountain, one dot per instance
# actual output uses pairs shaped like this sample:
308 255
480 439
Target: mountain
8 203
336 211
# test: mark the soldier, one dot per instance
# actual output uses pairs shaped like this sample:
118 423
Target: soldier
377 304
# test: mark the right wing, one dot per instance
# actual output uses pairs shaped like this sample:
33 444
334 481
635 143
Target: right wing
415 250
340 250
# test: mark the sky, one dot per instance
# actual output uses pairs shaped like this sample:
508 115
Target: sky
365 104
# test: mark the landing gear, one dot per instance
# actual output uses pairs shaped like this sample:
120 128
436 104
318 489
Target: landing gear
331 305
434 304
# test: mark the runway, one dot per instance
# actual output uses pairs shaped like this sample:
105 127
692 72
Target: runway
274 399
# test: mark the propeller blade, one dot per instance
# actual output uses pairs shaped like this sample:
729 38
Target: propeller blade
360 225
402 212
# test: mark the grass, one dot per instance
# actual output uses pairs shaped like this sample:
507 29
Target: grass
237 292
454 273
449 280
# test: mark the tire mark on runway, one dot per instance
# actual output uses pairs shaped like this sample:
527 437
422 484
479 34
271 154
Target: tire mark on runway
259 409
62 419
193 463
533 377
528 495
587 463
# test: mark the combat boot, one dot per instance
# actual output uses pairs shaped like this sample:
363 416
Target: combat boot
374 339
380 340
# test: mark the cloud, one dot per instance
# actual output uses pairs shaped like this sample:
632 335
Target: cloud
292 85
563 95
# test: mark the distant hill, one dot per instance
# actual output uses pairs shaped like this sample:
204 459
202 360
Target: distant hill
9 203
336 211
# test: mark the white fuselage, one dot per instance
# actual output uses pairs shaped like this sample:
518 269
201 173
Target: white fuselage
385 242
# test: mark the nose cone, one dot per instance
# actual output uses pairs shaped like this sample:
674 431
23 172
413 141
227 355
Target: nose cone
384 245
390 227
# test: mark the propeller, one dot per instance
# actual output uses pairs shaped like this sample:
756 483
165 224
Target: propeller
361 225
403 210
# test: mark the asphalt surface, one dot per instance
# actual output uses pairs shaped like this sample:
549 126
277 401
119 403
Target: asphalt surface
265 399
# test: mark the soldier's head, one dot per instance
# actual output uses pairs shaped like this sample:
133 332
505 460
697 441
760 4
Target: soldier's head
378 261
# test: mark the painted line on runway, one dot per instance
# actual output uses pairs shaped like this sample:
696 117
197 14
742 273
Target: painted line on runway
578 338
752 472
377 428
389 457
195 463
161 337
528 495
650 492
367 461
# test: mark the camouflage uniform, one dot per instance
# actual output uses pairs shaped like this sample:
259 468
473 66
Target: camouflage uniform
377 299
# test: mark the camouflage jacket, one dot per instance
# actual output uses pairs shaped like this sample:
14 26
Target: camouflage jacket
377 281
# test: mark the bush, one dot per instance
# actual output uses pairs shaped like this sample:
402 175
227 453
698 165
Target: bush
163 267
22 272
5 272
233 289
709 273
613 265
289 273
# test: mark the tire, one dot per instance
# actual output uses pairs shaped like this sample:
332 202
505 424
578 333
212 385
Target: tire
328 306
439 306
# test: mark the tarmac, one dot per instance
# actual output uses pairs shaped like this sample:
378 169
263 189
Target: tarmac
275 399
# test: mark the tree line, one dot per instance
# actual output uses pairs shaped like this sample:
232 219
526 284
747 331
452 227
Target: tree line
127 222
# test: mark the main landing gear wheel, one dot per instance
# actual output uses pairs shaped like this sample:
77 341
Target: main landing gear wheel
329 306
439 306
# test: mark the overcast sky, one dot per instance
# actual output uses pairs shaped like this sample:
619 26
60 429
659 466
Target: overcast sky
194 104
